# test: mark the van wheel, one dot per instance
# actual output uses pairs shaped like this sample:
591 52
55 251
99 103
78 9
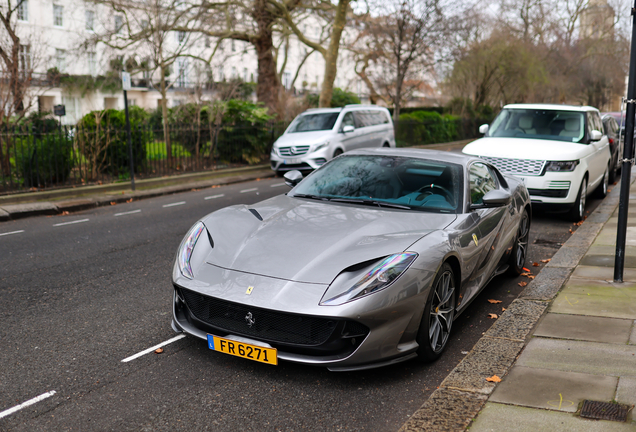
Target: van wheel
337 153
386 144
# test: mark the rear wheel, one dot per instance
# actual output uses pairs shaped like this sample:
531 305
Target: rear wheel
601 190
520 249
437 319
577 212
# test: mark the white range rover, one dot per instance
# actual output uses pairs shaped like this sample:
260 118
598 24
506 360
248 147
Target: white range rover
559 151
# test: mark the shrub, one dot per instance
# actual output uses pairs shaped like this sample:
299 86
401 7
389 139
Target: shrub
339 98
426 127
102 139
45 159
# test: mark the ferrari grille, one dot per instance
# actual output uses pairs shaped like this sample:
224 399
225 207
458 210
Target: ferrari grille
265 324
517 166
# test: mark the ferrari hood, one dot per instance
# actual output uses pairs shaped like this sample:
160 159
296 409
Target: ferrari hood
526 148
310 241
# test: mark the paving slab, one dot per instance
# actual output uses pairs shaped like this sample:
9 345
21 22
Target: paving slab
547 283
632 339
551 389
445 411
610 250
568 256
28 209
602 273
518 320
607 236
603 299
580 356
587 328
505 418
607 261
4 216
489 356
626 391
75 205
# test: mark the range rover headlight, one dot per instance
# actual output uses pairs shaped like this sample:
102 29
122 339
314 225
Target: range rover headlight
186 248
320 146
378 278
561 166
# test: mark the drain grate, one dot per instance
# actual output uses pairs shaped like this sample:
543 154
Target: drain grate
548 243
604 411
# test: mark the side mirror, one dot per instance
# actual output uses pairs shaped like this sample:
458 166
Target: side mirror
596 135
348 128
483 129
292 178
495 198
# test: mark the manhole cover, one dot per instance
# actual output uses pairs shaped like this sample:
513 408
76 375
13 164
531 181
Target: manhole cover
604 411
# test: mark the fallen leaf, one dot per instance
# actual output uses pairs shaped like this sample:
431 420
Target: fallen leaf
526 274
494 378
530 277
545 261
158 350
64 213
113 203
503 309
522 284
525 269
571 232
535 264
492 316
494 301
129 201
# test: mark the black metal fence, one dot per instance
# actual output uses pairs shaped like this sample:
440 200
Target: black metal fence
74 156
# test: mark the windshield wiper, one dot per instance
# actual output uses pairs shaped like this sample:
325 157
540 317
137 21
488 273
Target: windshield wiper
309 196
370 203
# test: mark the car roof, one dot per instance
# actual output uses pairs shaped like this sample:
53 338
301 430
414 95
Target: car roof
346 107
552 107
442 156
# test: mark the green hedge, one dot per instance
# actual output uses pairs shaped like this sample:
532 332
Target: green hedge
44 160
426 127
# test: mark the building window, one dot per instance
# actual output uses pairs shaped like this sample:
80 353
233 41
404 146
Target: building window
23 11
92 63
207 41
25 59
182 65
119 24
60 60
58 16
244 74
233 76
233 46
181 37
287 80
90 20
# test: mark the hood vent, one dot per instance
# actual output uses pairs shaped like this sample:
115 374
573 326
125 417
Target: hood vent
257 214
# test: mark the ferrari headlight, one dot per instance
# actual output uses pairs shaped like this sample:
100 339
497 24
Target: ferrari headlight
559 166
320 146
376 279
186 248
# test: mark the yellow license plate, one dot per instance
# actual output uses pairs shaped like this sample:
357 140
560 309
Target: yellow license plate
242 349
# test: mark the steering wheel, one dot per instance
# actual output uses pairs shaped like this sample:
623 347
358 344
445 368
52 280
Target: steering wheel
431 188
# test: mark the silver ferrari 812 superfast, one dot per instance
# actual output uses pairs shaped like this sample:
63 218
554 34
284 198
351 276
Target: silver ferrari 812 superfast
366 262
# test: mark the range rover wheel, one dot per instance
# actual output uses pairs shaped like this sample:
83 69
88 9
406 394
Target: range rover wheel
578 209
601 190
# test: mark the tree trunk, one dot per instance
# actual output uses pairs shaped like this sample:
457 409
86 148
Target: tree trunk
331 59
268 85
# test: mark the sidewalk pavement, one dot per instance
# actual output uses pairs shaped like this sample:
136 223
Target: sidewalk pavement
583 348
58 201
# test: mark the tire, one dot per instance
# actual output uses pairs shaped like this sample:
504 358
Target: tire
386 145
438 316
337 153
519 253
601 190
577 212
614 170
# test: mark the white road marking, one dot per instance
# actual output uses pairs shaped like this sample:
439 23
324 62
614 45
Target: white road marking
12 232
71 222
175 204
127 213
214 196
249 190
149 350
278 184
27 403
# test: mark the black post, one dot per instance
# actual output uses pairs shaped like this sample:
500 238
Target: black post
628 154
130 151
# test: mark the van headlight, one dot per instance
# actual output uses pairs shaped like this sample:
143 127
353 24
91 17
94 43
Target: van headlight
320 146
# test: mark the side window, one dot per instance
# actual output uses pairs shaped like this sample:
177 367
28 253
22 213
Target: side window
362 119
482 181
347 120
598 122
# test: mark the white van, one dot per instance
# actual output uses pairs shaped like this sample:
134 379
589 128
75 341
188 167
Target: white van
318 135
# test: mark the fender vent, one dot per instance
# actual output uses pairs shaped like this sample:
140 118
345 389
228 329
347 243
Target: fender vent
257 214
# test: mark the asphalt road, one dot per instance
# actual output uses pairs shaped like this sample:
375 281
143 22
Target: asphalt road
82 292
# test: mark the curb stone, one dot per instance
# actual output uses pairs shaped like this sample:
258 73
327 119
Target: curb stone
461 396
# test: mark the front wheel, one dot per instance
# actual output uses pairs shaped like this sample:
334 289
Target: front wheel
520 249
578 209
337 153
438 316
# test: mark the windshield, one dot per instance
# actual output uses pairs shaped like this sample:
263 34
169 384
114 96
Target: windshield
313 122
538 123
387 181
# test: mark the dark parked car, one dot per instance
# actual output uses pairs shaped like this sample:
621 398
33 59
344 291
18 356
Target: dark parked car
615 134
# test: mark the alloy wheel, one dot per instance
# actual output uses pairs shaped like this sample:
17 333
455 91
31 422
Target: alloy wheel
582 198
442 311
522 240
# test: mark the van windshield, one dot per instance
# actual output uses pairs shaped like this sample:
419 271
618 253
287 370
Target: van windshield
313 122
